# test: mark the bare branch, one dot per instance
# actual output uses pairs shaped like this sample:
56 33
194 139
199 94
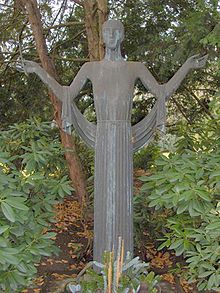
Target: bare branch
70 23
75 168
180 108
78 2
71 59
199 102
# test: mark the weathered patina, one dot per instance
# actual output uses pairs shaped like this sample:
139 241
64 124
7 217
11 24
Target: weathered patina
114 139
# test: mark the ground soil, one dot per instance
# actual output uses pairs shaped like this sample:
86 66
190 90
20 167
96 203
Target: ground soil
74 238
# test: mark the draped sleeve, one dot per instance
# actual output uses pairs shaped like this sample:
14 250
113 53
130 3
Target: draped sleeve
72 117
143 131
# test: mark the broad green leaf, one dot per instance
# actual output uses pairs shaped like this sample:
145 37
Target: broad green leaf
3 259
193 259
44 252
17 203
192 211
153 195
208 266
202 286
145 187
49 235
213 226
155 177
168 196
205 274
153 203
179 250
204 195
22 267
211 282
17 193
61 192
3 229
182 207
217 279
68 189
12 259
3 242
176 244
198 206
144 178
8 212
20 279
164 244
34 251
180 187
10 250
214 174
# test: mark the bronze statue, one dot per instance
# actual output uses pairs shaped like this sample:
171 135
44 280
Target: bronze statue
113 137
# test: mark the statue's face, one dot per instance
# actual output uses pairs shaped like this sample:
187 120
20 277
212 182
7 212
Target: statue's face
113 35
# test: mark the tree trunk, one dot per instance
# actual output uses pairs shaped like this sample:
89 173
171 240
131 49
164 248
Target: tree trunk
73 162
95 16
102 14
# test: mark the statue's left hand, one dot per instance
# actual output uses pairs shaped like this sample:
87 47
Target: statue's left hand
196 61
26 66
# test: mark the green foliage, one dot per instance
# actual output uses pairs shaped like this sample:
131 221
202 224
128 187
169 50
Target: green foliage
120 279
31 182
161 33
186 184
144 158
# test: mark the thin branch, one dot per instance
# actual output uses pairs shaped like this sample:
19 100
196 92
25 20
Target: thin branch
54 49
55 26
72 39
6 5
59 11
180 109
75 168
16 52
204 90
199 102
71 59
78 2
70 23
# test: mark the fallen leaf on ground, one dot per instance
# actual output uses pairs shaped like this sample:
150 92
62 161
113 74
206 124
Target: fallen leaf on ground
161 260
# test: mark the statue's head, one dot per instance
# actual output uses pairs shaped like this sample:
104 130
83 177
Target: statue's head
113 33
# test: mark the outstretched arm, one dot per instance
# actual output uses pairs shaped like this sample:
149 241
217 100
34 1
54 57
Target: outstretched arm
167 89
79 81
33 67
192 62
58 90
149 81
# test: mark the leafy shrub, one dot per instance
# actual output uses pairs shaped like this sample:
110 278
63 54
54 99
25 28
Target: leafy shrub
32 180
116 276
186 183
144 158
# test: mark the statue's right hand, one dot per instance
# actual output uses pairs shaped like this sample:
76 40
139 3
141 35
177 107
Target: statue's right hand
197 61
26 66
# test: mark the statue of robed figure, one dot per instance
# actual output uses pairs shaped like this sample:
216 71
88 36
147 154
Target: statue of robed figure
113 138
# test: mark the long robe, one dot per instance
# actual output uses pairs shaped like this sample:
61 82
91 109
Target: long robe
114 140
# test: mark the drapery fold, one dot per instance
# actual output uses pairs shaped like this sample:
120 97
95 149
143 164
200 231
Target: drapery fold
142 132
72 117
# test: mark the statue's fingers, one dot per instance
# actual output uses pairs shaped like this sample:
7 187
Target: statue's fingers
195 56
203 58
24 63
19 67
202 63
